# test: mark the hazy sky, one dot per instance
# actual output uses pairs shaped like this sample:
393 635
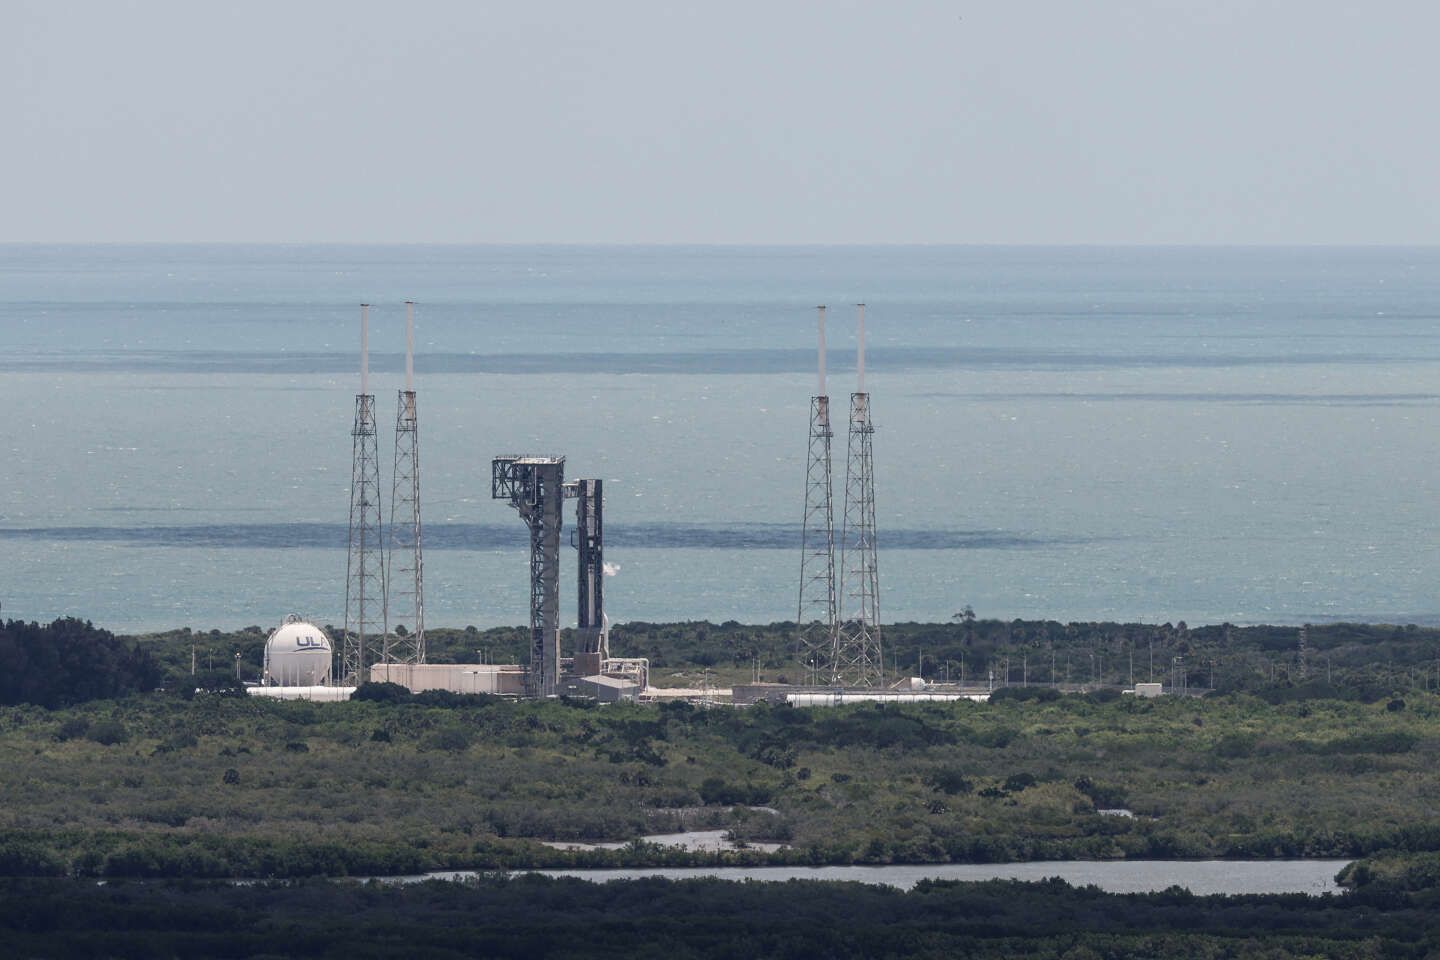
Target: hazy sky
733 121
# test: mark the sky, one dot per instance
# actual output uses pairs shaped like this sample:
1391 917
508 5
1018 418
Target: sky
574 121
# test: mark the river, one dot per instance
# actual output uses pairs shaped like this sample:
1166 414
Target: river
1113 876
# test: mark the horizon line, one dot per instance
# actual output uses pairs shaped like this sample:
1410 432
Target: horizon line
755 244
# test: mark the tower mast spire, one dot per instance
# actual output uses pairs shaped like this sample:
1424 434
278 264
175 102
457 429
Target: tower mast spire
365 597
815 621
405 568
857 635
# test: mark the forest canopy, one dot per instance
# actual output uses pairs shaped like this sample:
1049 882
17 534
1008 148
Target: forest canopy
70 661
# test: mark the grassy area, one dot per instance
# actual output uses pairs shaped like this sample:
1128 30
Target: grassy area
157 785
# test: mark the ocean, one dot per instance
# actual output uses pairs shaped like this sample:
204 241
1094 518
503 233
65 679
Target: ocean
1199 434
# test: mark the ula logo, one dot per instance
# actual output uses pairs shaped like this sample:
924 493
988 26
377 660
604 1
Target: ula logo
306 642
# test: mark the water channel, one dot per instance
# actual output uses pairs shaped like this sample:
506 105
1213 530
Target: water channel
1113 876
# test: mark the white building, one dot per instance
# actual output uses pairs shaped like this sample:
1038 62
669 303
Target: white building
493 678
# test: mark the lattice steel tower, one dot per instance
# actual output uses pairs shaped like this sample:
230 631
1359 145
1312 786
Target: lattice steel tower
815 621
404 562
535 488
365 600
857 636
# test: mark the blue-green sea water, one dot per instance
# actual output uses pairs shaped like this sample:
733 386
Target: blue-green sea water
1079 433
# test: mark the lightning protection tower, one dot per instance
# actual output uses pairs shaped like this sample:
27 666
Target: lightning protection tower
815 622
857 635
365 600
404 566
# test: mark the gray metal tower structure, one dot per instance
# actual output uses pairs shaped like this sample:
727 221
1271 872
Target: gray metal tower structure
858 658
815 621
404 562
365 599
535 488
591 641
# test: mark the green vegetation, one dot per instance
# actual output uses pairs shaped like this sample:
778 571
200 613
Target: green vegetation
1393 872
230 786
536 917
69 661
1344 660
105 781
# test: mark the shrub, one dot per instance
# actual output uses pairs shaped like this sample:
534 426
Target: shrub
1019 781
1103 796
108 733
73 729
453 739
948 780
1387 742
1234 746
717 791
177 741
1023 694
381 693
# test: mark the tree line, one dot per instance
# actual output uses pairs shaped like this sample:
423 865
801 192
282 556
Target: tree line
70 661
531 916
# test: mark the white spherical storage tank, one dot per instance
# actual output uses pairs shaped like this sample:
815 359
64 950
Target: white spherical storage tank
297 654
